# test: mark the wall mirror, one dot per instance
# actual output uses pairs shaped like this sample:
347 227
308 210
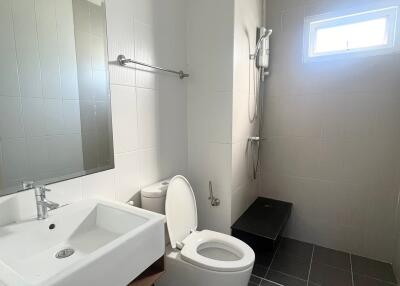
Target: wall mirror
55 111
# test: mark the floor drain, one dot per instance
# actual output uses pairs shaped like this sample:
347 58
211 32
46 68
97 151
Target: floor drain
65 253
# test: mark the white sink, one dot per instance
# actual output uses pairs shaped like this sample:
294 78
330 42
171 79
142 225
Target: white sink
112 243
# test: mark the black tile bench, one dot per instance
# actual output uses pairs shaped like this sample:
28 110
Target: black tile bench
262 224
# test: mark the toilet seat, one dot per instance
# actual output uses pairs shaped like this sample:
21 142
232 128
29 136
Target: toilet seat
226 253
206 249
180 210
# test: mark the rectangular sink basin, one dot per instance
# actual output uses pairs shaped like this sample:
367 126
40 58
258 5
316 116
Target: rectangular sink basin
87 243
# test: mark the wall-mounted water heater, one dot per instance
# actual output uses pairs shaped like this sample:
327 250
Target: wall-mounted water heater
263 36
261 54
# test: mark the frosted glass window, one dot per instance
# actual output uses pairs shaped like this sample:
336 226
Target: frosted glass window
361 32
353 36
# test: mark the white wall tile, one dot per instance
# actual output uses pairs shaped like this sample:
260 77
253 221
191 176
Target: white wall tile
147 78
219 165
215 218
145 11
126 175
221 33
197 107
148 118
170 45
8 209
302 116
99 185
219 117
145 51
173 142
387 114
247 17
242 164
244 123
217 169
274 107
26 205
150 167
201 63
120 33
124 110
66 192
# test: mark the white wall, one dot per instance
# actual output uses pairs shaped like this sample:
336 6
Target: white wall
149 109
332 133
248 16
210 88
220 105
149 118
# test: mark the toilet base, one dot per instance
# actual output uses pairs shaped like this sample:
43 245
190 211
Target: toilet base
181 273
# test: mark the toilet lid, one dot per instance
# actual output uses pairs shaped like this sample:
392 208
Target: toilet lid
180 210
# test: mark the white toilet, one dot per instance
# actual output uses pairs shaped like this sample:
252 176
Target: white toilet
200 258
153 197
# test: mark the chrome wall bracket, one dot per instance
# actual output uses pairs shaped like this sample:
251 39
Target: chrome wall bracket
214 201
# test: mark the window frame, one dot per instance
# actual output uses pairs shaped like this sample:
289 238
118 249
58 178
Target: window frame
314 23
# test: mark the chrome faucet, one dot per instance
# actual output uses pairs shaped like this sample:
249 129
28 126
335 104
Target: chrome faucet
42 204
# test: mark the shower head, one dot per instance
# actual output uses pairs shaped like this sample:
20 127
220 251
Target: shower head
264 34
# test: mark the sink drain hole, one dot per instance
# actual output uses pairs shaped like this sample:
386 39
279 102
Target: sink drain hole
65 253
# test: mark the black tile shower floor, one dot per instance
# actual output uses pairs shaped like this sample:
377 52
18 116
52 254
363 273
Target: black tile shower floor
374 269
296 263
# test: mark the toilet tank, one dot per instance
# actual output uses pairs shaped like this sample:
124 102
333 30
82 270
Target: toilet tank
153 197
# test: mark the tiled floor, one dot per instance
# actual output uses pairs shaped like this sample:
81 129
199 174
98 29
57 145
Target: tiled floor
297 263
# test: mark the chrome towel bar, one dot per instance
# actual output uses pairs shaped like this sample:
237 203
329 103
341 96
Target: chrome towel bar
122 60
